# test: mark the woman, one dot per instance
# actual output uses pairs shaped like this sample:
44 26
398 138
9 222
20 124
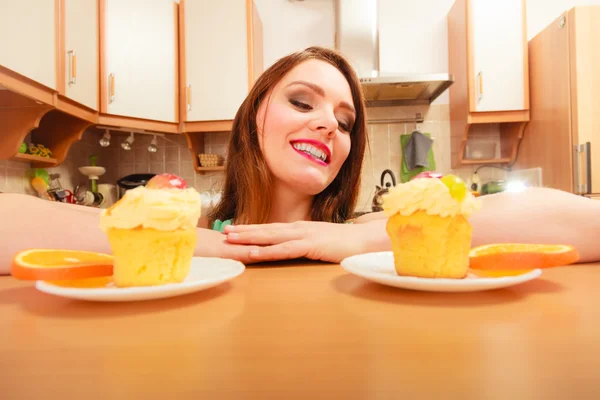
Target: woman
306 96
292 179
297 143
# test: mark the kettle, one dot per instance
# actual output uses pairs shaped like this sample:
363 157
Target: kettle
383 189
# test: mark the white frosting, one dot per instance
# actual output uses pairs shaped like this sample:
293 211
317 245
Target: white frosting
160 209
429 195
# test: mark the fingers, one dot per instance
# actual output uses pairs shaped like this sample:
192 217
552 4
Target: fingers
237 252
260 227
256 254
265 237
282 251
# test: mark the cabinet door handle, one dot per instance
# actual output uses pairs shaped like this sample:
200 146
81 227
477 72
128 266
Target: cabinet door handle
72 67
188 96
588 166
111 88
582 188
576 185
479 86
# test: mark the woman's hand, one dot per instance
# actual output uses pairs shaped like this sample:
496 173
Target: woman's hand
314 240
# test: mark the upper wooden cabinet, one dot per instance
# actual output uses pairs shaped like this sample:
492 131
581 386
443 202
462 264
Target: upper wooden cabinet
221 56
139 59
487 48
563 137
28 39
80 51
499 53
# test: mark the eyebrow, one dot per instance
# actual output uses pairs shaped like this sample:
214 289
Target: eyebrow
319 90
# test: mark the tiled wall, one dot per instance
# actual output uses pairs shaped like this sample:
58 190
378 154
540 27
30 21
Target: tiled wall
13 177
174 157
385 149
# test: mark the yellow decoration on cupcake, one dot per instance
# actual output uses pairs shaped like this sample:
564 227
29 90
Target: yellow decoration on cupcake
152 232
428 226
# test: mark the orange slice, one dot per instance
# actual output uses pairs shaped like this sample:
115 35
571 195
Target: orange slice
521 256
51 264
486 273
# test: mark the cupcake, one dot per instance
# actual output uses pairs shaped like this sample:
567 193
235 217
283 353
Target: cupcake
152 232
428 227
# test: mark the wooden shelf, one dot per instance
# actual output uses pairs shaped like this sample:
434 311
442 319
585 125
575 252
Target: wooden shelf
54 129
195 142
505 160
41 162
208 126
509 134
210 169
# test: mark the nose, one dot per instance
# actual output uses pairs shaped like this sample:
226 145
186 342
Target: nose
324 122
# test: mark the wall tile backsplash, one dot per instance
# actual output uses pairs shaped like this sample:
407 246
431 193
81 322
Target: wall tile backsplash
173 156
386 152
12 177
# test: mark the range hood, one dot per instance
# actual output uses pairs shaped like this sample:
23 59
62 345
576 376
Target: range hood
357 37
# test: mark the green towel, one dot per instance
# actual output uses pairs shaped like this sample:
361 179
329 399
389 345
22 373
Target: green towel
407 174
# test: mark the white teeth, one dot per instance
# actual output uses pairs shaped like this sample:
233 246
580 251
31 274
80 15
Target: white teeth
312 150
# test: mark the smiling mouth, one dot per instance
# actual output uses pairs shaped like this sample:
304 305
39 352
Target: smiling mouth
312 152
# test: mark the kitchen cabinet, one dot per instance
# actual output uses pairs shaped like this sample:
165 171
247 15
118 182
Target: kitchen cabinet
499 48
563 137
31 43
221 57
487 47
139 57
28 39
80 52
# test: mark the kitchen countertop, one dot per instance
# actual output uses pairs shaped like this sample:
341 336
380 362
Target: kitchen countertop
312 331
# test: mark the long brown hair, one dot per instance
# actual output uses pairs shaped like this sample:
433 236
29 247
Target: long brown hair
248 181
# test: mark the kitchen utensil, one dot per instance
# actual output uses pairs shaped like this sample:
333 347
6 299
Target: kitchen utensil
63 195
383 189
132 181
41 187
109 194
85 197
493 187
93 172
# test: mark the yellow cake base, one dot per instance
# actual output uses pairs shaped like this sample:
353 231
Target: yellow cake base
430 246
145 257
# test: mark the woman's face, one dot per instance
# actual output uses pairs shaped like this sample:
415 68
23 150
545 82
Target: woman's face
304 126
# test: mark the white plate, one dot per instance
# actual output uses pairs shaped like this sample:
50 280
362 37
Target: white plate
204 273
379 267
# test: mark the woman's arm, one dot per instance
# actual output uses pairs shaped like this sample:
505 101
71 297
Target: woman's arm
370 217
537 215
540 215
28 222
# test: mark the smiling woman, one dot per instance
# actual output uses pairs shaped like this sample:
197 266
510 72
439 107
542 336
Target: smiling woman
292 180
297 144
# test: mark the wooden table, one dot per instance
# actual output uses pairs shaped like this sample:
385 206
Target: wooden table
308 331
